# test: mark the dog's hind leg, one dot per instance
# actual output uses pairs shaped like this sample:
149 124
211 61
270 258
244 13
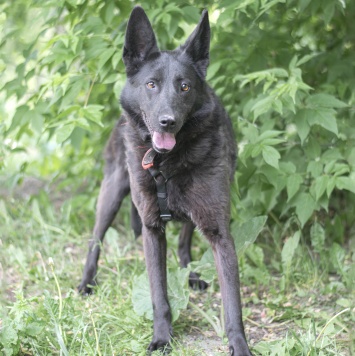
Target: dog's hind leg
184 252
228 275
136 222
114 188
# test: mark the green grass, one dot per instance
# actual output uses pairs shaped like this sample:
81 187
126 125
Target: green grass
306 310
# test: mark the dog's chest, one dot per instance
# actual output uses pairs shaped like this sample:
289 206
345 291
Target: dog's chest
179 197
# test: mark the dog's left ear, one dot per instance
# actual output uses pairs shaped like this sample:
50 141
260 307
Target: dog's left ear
140 41
197 46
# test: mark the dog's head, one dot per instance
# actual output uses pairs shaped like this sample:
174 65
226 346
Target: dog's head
163 89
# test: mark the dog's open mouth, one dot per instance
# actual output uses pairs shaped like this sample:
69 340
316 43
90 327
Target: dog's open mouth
163 141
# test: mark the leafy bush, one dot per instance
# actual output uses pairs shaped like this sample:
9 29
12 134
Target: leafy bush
283 71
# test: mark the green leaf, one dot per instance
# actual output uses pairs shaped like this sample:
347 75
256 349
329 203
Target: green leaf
73 91
315 168
36 120
112 237
323 117
270 135
104 57
271 156
305 206
205 267
301 121
63 133
273 176
328 168
330 186
337 256
340 169
345 303
246 234
112 78
178 293
191 13
293 185
273 141
20 118
142 303
346 183
317 237
277 106
262 106
321 184
303 4
83 123
325 101
34 329
67 112
255 150
307 57
74 41
313 148
288 168
93 113
256 255
178 290
116 58
213 69
289 249
8 335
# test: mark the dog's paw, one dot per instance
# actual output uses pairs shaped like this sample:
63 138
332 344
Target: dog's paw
240 350
196 283
161 345
86 288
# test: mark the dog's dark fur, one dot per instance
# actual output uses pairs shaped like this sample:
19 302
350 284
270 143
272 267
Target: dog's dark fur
168 106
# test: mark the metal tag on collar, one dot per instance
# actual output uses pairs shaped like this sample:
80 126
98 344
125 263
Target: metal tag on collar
166 217
148 159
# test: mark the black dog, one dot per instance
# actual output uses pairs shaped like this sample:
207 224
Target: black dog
174 150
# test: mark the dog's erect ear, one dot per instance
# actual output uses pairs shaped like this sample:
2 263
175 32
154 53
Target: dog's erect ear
139 42
197 45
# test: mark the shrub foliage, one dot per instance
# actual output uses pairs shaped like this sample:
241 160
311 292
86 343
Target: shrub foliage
285 72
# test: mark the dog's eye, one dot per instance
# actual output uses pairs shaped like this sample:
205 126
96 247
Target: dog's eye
185 87
150 85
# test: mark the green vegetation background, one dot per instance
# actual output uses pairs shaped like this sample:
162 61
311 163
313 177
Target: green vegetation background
285 71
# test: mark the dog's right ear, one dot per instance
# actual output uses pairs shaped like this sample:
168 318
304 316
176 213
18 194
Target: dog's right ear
140 41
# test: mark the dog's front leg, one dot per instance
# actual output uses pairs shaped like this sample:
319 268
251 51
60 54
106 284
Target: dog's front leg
155 255
114 188
228 275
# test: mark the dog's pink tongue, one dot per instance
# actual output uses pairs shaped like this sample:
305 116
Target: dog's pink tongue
164 140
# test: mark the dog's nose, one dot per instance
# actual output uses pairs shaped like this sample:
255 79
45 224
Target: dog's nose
167 122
